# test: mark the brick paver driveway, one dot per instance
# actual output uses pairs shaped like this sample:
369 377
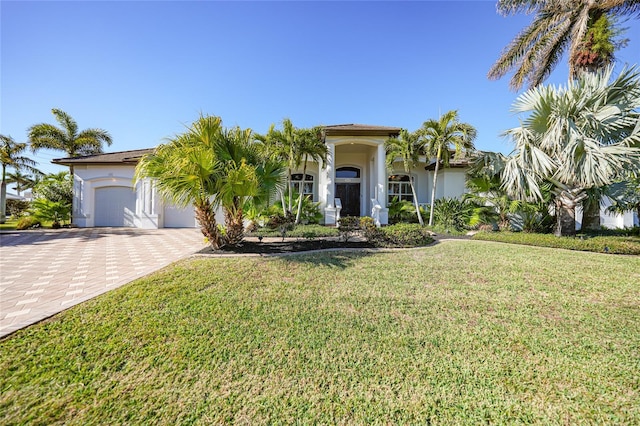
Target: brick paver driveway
43 272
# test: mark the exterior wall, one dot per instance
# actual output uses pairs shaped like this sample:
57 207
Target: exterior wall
450 183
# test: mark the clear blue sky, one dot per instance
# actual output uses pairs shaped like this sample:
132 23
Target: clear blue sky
143 70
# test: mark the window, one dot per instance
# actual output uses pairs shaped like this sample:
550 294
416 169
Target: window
400 188
296 183
348 172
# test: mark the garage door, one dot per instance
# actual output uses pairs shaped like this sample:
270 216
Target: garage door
179 218
115 206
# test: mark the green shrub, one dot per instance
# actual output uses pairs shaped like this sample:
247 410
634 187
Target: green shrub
299 231
398 235
405 212
283 223
452 213
600 244
54 211
17 208
27 222
347 226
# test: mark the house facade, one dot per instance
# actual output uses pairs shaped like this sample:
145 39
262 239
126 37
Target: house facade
353 182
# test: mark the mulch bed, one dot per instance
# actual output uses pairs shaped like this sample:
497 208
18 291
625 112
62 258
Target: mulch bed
289 246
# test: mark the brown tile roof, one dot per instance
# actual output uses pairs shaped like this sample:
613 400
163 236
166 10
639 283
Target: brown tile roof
122 157
465 160
360 130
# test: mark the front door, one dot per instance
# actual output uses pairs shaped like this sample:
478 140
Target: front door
349 194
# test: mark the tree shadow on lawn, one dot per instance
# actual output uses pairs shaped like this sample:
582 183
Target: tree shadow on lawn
328 252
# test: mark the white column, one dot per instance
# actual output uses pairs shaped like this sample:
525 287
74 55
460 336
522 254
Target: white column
381 186
329 187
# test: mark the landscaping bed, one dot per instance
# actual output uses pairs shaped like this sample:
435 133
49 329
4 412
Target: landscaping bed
288 246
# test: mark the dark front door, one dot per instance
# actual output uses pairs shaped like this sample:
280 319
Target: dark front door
349 194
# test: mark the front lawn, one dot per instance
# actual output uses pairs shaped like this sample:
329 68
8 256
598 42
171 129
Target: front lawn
462 332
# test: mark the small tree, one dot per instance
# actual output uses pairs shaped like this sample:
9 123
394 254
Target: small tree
11 156
442 135
407 147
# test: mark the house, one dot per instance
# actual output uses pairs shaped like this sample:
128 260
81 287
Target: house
353 182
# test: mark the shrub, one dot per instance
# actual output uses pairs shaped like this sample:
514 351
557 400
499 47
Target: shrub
600 244
283 223
452 213
347 226
398 235
54 211
27 222
405 212
17 208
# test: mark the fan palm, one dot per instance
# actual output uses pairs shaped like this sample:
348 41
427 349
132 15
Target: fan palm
247 175
577 137
585 27
186 172
408 147
442 135
11 156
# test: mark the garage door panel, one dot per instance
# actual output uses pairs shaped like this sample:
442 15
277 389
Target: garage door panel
115 206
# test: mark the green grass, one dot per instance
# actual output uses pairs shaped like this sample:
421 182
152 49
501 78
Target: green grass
462 332
598 244
9 225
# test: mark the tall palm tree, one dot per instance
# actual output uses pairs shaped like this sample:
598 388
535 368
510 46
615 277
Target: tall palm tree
442 135
586 28
310 146
11 156
577 137
280 145
408 147
67 138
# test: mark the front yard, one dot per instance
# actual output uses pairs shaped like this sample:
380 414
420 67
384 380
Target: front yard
461 332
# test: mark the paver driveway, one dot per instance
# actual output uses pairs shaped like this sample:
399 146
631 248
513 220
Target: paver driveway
43 272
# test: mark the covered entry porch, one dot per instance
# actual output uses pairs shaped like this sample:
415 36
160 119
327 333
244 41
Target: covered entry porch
354 179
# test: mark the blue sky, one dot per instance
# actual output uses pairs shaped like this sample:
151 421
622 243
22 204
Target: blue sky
143 70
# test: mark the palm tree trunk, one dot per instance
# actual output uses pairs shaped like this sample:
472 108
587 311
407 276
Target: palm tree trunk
304 175
207 220
234 224
565 220
415 200
433 190
591 216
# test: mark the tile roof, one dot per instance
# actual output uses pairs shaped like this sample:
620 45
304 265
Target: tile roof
360 130
122 157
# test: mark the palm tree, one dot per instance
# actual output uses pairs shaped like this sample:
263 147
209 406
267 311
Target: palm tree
576 137
442 135
186 171
310 146
67 138
247 175
587 28
11 156
280 145
23 181
408 147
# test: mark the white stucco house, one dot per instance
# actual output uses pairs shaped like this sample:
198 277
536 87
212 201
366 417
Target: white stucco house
353 182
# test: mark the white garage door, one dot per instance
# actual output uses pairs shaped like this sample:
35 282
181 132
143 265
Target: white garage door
115 206
179 218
